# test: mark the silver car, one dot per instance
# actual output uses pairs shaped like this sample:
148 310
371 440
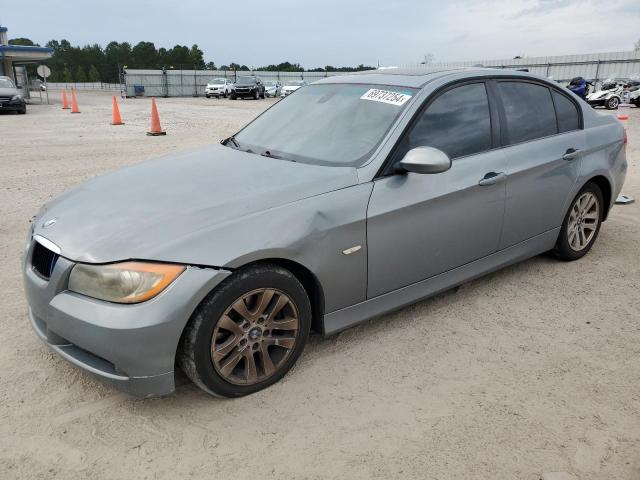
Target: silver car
272 89
356 196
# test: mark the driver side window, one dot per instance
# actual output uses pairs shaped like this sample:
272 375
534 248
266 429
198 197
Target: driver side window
458 122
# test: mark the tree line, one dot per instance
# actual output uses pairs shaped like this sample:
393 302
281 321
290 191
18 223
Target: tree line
93 63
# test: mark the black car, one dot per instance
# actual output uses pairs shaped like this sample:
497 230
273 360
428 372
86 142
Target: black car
248 87
10 97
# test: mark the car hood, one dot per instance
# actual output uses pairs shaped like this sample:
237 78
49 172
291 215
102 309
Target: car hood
8 92
137 212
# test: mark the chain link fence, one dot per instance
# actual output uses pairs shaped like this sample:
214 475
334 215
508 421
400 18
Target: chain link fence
192 83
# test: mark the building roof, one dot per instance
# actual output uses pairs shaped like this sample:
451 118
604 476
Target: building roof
25 53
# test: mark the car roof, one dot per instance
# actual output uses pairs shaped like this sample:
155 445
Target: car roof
420 76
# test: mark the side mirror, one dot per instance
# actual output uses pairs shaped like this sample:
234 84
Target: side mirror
425 160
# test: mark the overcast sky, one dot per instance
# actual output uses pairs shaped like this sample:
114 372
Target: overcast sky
337 32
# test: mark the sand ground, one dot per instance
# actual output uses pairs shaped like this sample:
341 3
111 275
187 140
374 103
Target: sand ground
531 370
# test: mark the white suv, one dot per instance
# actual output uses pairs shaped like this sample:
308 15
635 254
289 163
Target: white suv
218 87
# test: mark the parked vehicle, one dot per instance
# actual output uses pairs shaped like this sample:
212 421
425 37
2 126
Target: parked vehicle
272 89
218 87
248 87
631 92
292 86
609 96
356 196
580 87
10 98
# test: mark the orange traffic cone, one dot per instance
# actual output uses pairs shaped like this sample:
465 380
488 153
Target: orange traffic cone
65 101
156 129
115 118
74 102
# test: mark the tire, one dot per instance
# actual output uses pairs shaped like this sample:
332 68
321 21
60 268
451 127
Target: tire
233 97
612 103
262 95
237 342
208 96
571 244
224 94
23 110
256 95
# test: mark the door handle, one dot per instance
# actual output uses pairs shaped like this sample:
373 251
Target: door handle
492 178
571 154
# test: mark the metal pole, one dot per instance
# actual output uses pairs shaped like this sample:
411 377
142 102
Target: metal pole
46 89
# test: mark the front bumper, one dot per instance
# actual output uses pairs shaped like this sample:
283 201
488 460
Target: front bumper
12 105
245 92
131 347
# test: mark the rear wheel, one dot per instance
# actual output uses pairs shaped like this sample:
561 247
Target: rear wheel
581 224
248 333
612 103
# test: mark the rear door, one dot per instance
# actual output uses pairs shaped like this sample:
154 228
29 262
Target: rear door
421 225
543 138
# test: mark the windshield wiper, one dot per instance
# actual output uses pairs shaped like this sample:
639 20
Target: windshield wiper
267 153
232 140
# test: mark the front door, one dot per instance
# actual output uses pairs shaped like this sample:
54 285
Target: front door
421 225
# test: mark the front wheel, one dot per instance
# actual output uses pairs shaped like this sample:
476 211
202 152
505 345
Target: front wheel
612 103
233 97
581 224
248 333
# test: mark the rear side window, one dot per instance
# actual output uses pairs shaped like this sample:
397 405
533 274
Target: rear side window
567 113
529 111
458 122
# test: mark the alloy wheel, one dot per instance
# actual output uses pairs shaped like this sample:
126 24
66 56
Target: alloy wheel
583 221
254 336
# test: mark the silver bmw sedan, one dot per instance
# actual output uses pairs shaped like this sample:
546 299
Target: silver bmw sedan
356 196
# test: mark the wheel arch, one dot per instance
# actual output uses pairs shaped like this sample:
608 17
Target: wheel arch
605 187
309 281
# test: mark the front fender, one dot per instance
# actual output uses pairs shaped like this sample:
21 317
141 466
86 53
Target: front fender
312 232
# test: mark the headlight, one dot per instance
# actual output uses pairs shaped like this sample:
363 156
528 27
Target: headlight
127 282
16 97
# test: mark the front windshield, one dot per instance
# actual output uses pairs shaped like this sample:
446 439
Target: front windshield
269 84
327 124
217 81
6 83
246 80
609 84
294 84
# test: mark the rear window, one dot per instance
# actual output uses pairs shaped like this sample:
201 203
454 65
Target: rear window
529 111
566 112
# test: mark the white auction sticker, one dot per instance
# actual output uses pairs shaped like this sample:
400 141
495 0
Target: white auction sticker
385 96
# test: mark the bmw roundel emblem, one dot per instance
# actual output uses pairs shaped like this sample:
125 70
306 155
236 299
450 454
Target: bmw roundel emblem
48 223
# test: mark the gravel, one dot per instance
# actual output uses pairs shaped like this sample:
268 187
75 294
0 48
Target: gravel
531 372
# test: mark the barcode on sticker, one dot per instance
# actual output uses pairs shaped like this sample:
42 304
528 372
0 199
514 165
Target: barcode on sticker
385 96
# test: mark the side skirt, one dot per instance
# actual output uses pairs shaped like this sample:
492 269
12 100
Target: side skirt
339 320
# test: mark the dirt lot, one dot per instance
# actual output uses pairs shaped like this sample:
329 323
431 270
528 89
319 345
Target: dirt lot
531 370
